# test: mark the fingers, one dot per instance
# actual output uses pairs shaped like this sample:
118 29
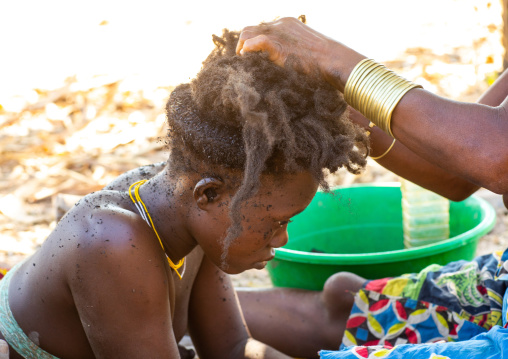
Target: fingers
255 38
264 44
275 38
4 350
247 33
260 43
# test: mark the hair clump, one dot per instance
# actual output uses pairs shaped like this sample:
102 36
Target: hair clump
246 113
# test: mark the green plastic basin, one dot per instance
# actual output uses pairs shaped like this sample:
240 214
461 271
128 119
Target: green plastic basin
359 229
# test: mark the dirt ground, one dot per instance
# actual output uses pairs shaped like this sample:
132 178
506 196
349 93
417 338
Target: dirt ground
75 137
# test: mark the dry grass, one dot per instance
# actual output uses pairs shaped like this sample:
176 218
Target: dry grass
76 138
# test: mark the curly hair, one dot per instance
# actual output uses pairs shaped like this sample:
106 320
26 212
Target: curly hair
246 113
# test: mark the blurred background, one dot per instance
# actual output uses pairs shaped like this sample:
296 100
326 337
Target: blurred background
83 85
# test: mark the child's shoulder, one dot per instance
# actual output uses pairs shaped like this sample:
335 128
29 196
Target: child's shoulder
106 220
101 205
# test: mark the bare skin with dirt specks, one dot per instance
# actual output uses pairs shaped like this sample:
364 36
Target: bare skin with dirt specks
102 271
290 320
249 143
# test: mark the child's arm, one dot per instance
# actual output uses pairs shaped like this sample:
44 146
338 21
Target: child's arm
121 289
216 323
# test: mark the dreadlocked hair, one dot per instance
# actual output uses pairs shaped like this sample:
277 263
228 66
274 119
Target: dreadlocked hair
246 113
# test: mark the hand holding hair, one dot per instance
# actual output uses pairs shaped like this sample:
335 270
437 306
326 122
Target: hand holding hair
289 38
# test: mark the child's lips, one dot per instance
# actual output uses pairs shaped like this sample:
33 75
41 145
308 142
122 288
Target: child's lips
262 264
272 255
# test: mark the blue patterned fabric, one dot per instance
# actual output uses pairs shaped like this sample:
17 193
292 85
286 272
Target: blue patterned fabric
490 345
441 312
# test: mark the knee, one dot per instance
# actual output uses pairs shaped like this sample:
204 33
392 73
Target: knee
339 290
337 300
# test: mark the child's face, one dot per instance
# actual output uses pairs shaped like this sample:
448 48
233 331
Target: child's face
264 220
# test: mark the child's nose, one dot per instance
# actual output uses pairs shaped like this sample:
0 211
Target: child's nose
280 237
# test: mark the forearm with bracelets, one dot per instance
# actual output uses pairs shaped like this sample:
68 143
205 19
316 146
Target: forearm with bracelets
463 138
374 91
405 163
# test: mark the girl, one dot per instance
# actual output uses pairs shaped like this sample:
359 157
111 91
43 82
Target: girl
127 273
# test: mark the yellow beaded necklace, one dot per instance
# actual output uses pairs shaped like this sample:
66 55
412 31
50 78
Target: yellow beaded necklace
143 211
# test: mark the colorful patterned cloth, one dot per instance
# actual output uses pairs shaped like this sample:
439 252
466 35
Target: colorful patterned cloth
457 303
490 345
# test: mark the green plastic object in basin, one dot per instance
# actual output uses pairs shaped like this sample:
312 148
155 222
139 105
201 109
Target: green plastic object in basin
359 229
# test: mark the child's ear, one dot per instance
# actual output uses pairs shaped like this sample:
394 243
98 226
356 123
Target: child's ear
208 190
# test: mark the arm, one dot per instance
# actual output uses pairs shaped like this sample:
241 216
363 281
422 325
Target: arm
467 140
216 324
121 289
412 167
470 140
497 93
409 165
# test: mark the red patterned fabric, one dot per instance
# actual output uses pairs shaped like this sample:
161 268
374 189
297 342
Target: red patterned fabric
2 272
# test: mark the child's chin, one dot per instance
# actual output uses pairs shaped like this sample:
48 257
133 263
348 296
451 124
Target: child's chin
260 265
239 268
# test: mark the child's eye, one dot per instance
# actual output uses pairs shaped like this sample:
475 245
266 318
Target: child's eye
283 223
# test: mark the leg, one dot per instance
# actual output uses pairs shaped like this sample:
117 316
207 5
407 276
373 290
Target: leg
300 322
